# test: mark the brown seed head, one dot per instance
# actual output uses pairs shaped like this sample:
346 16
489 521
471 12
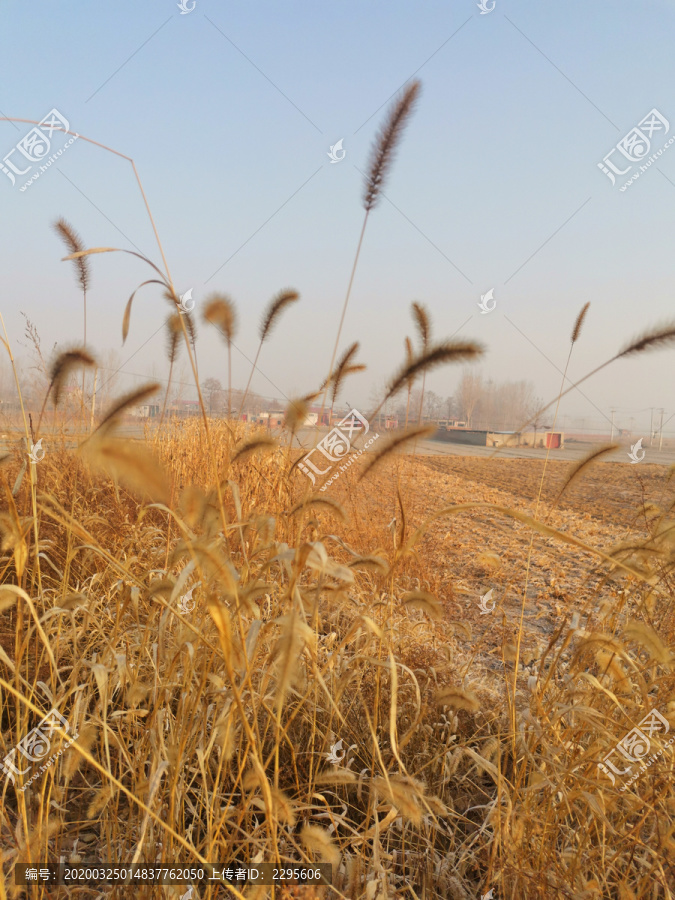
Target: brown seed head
296 413
73 242
173 331
344 367
576 331
448 352
421 317
382 153
276 307
652 339
219 311
133 398
62 367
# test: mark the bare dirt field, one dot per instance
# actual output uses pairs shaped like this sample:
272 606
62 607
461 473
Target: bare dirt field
462 556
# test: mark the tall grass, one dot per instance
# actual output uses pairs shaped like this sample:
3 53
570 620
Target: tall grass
309 630
211 734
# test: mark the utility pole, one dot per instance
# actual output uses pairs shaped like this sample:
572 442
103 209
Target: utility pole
613 410
651 427
93 402
661 431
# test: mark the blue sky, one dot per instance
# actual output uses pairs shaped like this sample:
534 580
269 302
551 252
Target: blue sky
229 112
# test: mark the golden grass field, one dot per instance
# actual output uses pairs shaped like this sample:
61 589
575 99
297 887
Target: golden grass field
255 671
204 736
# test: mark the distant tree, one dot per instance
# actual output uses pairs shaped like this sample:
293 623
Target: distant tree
433 405
491 405
378 391
254 403
415 401
519 402
486 404
178 386
210 389
107 377
469 394
399 410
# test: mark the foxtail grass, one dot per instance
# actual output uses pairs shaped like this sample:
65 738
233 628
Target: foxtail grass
270 318
319 634
220 311
381 157
73 242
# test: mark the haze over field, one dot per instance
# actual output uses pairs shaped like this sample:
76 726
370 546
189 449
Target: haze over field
229 112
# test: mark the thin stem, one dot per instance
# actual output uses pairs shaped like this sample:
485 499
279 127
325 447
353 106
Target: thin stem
344 312
229 379
31 464
84 297
166 397
419 417
93 402
250 378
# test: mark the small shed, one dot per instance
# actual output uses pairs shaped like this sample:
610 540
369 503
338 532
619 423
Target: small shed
476 438
463 436
550 440
555 440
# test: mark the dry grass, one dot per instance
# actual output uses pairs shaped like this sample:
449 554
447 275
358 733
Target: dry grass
211 631
204 736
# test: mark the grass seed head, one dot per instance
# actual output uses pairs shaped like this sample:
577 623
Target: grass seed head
576 331
277 305
384 148
73 242
63 366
